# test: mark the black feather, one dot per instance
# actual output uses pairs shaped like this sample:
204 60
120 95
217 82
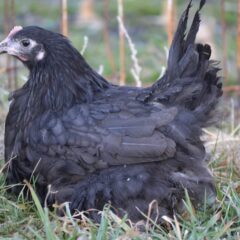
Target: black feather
176 46
202 3
195 26
97 143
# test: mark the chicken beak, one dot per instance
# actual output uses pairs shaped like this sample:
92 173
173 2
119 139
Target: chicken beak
4 46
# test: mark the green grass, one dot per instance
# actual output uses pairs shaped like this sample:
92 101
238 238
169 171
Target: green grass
21 219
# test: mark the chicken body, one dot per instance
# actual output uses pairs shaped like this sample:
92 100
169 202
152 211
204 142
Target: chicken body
96 143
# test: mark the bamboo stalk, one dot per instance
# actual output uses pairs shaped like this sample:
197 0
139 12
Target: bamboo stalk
5 70
64 18
121 46
238 42
106 37
170 20
224 39
6 17
86 12
233 88
6 30
14 72
12 13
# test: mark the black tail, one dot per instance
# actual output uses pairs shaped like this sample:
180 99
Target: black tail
191 79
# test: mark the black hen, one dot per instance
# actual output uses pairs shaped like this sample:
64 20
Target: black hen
97 143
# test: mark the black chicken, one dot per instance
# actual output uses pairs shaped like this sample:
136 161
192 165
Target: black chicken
98 143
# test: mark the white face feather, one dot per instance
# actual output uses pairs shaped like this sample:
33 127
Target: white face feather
40 55
23 48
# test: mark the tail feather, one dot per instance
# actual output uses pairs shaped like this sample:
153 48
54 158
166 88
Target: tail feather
195 25
176 47
190 80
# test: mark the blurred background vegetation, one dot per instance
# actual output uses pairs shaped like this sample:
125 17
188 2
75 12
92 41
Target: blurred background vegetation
150 25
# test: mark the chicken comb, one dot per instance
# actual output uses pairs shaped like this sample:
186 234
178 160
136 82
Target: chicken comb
15 30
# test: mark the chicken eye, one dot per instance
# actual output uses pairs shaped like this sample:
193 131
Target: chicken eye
25 42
